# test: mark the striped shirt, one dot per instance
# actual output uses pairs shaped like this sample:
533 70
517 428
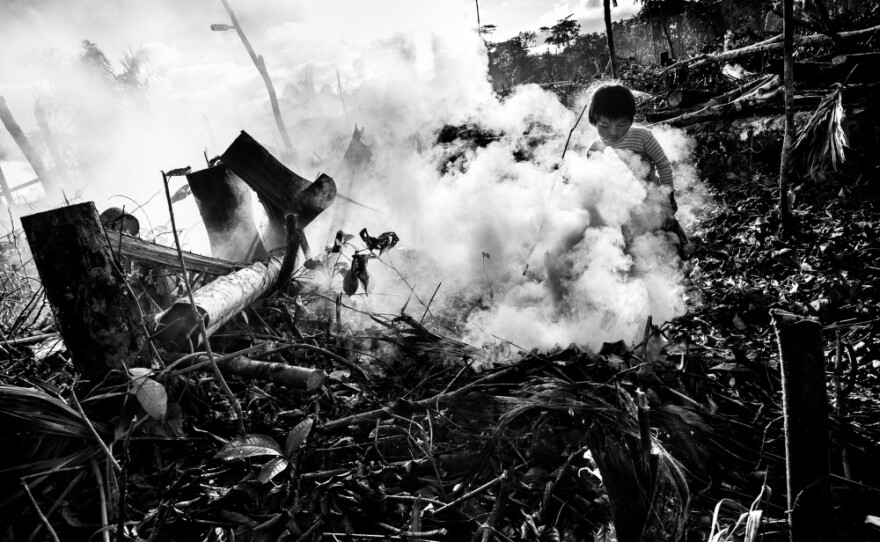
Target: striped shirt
641 141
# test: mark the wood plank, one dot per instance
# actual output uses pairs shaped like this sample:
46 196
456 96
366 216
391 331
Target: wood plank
143 251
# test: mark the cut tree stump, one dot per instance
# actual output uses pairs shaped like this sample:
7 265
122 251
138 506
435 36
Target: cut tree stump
96 314
805 409
225 203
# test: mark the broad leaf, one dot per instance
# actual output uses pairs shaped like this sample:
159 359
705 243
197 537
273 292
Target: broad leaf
251 445
297 436
350 283
151 395
272 468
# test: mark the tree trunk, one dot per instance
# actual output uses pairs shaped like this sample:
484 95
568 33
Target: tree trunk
665 24
805 409
96 314
27 149
788 138
261 67
609 33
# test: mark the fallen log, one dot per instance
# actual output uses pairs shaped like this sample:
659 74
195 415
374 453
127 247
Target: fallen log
220 300
224 202
279 373
96 314
217 302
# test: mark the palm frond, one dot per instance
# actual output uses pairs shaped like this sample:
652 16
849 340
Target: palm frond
822 141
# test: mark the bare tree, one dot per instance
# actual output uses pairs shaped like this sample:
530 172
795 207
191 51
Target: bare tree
788 138
609 33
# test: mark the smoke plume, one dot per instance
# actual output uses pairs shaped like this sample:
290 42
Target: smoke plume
528 247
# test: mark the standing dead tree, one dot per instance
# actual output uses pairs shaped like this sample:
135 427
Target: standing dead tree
609 34
788 137
264 73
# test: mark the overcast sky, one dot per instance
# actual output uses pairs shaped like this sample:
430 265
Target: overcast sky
514 16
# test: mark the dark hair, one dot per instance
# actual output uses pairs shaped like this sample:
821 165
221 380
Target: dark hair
612 101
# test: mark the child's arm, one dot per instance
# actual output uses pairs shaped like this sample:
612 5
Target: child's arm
658 157
664 167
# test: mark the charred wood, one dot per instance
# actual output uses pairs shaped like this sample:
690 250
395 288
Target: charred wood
805 409
280 190
224 202
147 252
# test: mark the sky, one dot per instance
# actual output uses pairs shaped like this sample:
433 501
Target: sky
535 249
514 16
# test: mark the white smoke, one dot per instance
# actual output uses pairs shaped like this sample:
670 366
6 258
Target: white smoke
406 69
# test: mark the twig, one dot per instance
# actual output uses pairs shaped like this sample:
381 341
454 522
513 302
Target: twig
236 408
29 340
411 534
416 522
471 494
428 306
487 530
102 493
91 427
565 148
311 530
381 536
435 400
43 518
61 499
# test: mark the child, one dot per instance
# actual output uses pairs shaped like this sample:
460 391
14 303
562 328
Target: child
612 111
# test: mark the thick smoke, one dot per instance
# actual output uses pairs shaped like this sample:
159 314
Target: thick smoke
528 247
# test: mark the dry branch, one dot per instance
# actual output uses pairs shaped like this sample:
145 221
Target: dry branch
772 44
279 373
435 401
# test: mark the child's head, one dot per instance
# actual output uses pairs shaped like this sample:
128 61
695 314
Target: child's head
612 110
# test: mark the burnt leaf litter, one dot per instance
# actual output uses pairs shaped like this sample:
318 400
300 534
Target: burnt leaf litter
406 441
